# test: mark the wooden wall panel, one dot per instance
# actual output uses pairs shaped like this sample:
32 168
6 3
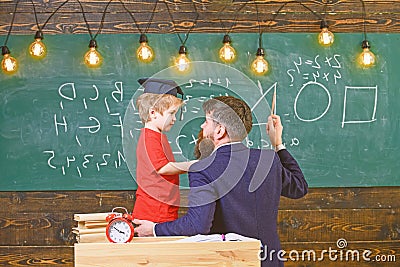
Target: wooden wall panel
324 215
37 256
65 201
342 16
54 228
36 226
328 225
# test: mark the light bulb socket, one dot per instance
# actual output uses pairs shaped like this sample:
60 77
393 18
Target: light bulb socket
182 50
92 43
5 50
260 52
324 24
143 38
365 44
39 35
227 39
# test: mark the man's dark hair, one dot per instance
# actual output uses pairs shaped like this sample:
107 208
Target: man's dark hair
227 104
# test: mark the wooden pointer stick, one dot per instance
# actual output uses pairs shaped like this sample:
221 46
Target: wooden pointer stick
273 103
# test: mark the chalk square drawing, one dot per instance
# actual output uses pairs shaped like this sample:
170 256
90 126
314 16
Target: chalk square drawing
359 105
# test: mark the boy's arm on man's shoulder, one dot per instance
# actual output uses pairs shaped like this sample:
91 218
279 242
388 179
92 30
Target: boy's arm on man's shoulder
172 168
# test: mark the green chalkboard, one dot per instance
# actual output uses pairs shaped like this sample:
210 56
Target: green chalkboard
64 126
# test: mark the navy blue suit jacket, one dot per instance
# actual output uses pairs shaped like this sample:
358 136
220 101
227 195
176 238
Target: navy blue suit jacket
237 189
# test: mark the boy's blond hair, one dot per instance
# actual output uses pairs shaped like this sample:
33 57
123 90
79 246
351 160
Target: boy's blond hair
159 102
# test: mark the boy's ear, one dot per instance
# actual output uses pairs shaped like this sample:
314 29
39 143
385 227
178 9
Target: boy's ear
152 113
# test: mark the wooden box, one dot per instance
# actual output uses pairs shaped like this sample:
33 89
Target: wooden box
165 251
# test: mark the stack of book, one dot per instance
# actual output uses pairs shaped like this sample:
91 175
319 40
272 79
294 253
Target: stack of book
91 227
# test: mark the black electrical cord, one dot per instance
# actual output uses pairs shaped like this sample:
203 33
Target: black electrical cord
48 19
364 18
259 28
11 25
135 21
183 42
234 20
101 22
300 3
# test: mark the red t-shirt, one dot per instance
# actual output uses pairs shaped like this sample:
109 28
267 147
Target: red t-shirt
157 196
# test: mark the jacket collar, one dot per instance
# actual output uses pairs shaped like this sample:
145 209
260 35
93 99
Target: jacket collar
234 146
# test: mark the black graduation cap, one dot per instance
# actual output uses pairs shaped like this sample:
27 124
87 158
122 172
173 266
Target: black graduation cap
160 86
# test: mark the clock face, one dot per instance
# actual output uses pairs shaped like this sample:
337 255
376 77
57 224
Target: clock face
119 231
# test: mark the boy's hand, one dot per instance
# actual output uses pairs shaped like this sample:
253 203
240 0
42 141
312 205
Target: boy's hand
274 130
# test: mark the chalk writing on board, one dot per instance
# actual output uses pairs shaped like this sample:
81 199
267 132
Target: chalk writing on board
316 69
83 162
313 72
294 142
306 85
264 94
179 152
88 128
209 81
265 144
368 116
313 75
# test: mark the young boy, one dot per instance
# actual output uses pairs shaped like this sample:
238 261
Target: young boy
157 196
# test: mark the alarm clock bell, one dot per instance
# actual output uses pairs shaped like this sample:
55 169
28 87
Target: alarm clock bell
120 228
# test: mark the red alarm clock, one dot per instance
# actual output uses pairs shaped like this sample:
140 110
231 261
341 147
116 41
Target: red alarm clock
120 227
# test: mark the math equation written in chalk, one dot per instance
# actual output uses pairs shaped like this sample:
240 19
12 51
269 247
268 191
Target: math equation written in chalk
88 117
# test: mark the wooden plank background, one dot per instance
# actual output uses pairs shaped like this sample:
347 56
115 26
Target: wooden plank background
35 227
214 16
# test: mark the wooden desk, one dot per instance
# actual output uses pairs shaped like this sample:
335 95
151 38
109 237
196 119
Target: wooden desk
153 251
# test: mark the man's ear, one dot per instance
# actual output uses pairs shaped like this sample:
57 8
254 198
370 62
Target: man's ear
220 131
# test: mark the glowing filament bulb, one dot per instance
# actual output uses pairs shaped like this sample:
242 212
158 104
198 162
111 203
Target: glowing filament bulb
9 65
326 37
182 63
366 58
92 57
259 65
37 49
227 53
144 53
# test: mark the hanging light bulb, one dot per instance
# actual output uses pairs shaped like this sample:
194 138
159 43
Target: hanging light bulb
37 49
92 57
182 62
144 53
260 65
227 53
9 65
325 37
366 58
